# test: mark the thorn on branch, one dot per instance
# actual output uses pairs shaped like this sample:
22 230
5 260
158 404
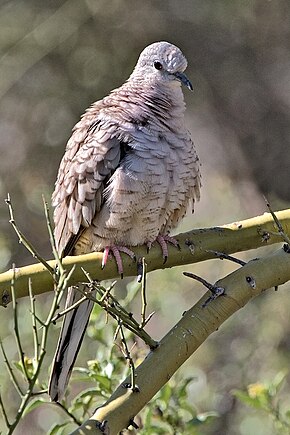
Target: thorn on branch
215 290
278 223
220 291
224 256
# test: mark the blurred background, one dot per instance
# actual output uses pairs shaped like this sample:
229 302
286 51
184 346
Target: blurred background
57 57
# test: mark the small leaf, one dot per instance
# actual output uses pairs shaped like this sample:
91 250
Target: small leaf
244 398
103 381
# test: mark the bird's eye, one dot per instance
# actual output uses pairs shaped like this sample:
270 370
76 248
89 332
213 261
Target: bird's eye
157 65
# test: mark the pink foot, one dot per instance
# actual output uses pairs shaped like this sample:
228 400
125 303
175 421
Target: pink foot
115 250
163 241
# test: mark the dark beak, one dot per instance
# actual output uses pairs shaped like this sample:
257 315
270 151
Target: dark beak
183 79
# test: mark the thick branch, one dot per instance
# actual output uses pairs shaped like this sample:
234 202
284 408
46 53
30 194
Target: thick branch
195 246
185 337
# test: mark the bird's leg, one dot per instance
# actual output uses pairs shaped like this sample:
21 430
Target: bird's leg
115 250
163 240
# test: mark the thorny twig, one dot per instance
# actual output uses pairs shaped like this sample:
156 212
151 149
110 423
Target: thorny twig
33 319
16 329
113 307
278 223
4 412
125 350
215 290
10 371
143 295
224 256
23 239
61 278
74 419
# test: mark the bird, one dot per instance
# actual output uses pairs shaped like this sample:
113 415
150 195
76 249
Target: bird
128 175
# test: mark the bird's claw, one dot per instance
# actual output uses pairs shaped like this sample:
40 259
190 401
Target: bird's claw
163 241
115 250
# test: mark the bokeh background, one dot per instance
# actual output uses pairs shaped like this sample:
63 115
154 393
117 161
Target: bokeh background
57 57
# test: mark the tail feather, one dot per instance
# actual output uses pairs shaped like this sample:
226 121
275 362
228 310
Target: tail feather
71 336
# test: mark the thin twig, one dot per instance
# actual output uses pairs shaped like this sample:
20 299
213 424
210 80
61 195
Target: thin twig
38 319
60 405
23 239
38 393
215 290
61 279
70 308
224 256
51 234
16 328
143 295
128 357
117 311
4 413
208 285
10 371
116 332
62 285
33 320
147 320
108 291
278 223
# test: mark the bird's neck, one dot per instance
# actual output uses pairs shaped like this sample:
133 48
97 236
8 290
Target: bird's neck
164 101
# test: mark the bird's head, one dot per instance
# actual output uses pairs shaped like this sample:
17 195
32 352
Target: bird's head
162 62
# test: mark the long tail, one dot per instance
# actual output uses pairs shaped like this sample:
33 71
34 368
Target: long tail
71 336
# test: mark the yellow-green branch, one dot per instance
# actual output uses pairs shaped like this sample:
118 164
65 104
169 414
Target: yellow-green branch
185 337
195 246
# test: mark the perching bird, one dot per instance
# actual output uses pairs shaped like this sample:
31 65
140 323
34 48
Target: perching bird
127 177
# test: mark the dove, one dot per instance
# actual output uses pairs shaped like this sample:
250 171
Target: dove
128 175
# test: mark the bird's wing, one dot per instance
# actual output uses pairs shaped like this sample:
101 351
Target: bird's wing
92 154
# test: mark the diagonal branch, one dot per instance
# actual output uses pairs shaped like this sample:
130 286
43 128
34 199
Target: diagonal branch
184 338
195 246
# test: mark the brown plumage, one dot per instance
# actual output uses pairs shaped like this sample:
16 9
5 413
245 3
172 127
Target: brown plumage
128 175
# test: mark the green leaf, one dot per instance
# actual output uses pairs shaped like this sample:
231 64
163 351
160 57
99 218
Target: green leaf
244 397
103 381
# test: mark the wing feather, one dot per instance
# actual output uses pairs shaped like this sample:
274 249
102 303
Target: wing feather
92 155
